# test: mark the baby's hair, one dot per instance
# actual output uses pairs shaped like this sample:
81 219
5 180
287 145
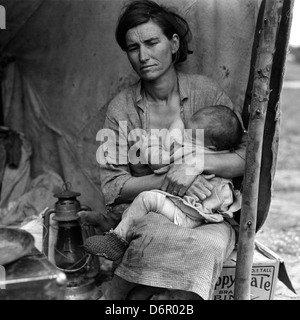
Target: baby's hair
221 126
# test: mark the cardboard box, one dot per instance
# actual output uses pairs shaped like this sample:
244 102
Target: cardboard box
263 279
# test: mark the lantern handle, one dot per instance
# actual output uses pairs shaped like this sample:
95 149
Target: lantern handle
86 256
46 230
67 186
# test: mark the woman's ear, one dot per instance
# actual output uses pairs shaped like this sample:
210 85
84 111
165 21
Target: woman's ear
175 43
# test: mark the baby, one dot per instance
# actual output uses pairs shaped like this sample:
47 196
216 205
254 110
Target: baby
222 133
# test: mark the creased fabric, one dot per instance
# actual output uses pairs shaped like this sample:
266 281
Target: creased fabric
162 254
222 203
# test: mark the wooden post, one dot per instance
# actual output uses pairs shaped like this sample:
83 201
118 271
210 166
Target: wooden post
258 111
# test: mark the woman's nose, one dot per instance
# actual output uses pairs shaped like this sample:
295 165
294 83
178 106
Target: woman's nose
143 54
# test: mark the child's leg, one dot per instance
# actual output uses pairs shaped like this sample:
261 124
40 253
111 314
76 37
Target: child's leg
168 209
113 244
145 202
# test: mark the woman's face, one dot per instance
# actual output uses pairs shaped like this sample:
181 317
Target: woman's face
150 51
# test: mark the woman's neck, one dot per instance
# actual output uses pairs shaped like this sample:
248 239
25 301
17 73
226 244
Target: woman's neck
163 88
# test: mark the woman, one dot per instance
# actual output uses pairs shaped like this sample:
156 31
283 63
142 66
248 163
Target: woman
162 255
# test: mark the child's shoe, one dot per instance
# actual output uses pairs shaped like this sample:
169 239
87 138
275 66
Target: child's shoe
110 245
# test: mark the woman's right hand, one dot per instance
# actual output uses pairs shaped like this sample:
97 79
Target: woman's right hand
178 179
201 187
183 179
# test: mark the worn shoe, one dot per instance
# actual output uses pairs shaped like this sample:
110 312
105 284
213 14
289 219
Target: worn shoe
110 245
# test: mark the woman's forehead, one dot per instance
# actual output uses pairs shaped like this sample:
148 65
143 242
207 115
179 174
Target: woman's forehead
144 32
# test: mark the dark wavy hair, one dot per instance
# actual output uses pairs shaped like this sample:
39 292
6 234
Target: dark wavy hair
138 12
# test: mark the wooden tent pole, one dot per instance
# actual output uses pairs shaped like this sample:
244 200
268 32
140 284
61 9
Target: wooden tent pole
258 110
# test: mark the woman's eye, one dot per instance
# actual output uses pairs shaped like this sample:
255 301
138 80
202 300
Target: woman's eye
151 44
131 49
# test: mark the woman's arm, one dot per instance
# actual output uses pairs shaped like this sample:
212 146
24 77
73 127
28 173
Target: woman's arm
181 177
136 185
227 165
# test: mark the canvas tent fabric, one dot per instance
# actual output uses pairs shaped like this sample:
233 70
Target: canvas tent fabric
66 67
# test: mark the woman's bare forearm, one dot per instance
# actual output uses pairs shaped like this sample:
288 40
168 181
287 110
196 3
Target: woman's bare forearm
136 185
227 165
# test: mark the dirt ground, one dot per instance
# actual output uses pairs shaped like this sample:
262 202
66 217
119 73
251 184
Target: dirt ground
281 231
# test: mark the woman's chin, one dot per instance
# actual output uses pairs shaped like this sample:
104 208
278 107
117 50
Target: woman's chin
147 76
150 75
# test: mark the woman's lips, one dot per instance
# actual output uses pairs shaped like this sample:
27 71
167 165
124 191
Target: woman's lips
146 68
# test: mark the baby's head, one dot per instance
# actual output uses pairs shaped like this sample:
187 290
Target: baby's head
222 128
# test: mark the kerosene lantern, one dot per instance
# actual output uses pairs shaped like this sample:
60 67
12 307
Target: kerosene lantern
80 267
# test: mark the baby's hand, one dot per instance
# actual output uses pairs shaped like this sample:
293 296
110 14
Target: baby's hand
201 187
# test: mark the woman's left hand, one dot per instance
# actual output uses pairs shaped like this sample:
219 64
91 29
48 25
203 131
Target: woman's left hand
179 178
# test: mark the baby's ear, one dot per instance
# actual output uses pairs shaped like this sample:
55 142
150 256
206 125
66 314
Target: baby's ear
212 148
